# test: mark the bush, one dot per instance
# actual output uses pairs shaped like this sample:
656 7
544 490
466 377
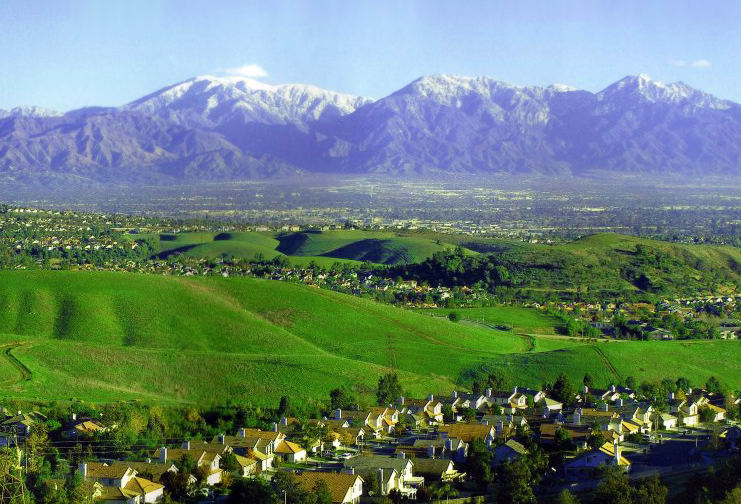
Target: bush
454 317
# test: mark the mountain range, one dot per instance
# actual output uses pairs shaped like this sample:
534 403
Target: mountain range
229 128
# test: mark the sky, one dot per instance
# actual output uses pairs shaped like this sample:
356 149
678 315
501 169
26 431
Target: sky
66 54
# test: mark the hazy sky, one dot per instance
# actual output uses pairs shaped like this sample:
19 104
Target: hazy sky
64 54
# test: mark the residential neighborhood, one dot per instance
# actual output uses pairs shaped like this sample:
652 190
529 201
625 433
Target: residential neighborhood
413 446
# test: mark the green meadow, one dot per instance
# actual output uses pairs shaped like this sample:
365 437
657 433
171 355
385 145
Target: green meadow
100 336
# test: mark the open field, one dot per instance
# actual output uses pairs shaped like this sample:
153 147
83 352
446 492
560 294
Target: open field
520 320
373 246
324 247
111 336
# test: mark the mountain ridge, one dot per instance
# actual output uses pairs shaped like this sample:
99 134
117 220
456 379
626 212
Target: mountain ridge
233 128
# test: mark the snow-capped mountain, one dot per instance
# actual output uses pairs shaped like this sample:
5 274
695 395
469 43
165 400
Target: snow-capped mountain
217 100
225 128
29 111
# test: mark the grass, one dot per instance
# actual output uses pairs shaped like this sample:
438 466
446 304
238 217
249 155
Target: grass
102 336
373 246
520 320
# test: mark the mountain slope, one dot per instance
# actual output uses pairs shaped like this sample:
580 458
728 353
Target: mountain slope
210 128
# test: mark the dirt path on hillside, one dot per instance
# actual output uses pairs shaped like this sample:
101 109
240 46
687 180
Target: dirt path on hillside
606 361
24 374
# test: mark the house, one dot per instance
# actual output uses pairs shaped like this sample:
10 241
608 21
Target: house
83 427
718 413
379 466
150 470
665 421
121 483
346 488
428 410
450 448
290 452
437 470
508 451
207 459
579 434
19 426
468 433
549 405
587 465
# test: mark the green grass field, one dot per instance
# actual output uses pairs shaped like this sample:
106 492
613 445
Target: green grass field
520 320
109 336
373 246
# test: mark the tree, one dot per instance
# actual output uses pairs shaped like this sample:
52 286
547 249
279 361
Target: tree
285 405
588 380
339 398
562 390
514 483
650 491
322 494
479 463
566 497
732 497
630 382
713 385
614 488
254 491
389 389
563 439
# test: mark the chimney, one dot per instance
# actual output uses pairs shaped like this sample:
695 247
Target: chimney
620 402
284 421
671 395
349 470
431 451
514 390
448 444
430 397
186 445
222 438
488 392
605 407
83 470
586 390
163 455
500 427
275 427
454 395
337 414
381 488
74 417
401 455
577 416
616 447
148 461
400 401
612 388
242 432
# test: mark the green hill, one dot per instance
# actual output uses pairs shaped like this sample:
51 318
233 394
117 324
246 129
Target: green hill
373 246
602 262
109 336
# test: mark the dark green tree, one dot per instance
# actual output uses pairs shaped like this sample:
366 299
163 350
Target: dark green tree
389 389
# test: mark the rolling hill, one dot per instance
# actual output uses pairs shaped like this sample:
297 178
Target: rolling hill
111 336
324 248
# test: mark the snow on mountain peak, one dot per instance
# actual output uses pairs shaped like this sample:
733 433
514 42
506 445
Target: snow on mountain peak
645 89
29 111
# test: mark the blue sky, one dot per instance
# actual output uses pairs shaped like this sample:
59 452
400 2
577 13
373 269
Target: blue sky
64 54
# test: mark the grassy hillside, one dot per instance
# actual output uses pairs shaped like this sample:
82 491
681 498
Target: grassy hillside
110 336
377 247
89 326
602 262
518 319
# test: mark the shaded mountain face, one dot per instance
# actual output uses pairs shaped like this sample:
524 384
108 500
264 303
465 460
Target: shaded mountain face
211 128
